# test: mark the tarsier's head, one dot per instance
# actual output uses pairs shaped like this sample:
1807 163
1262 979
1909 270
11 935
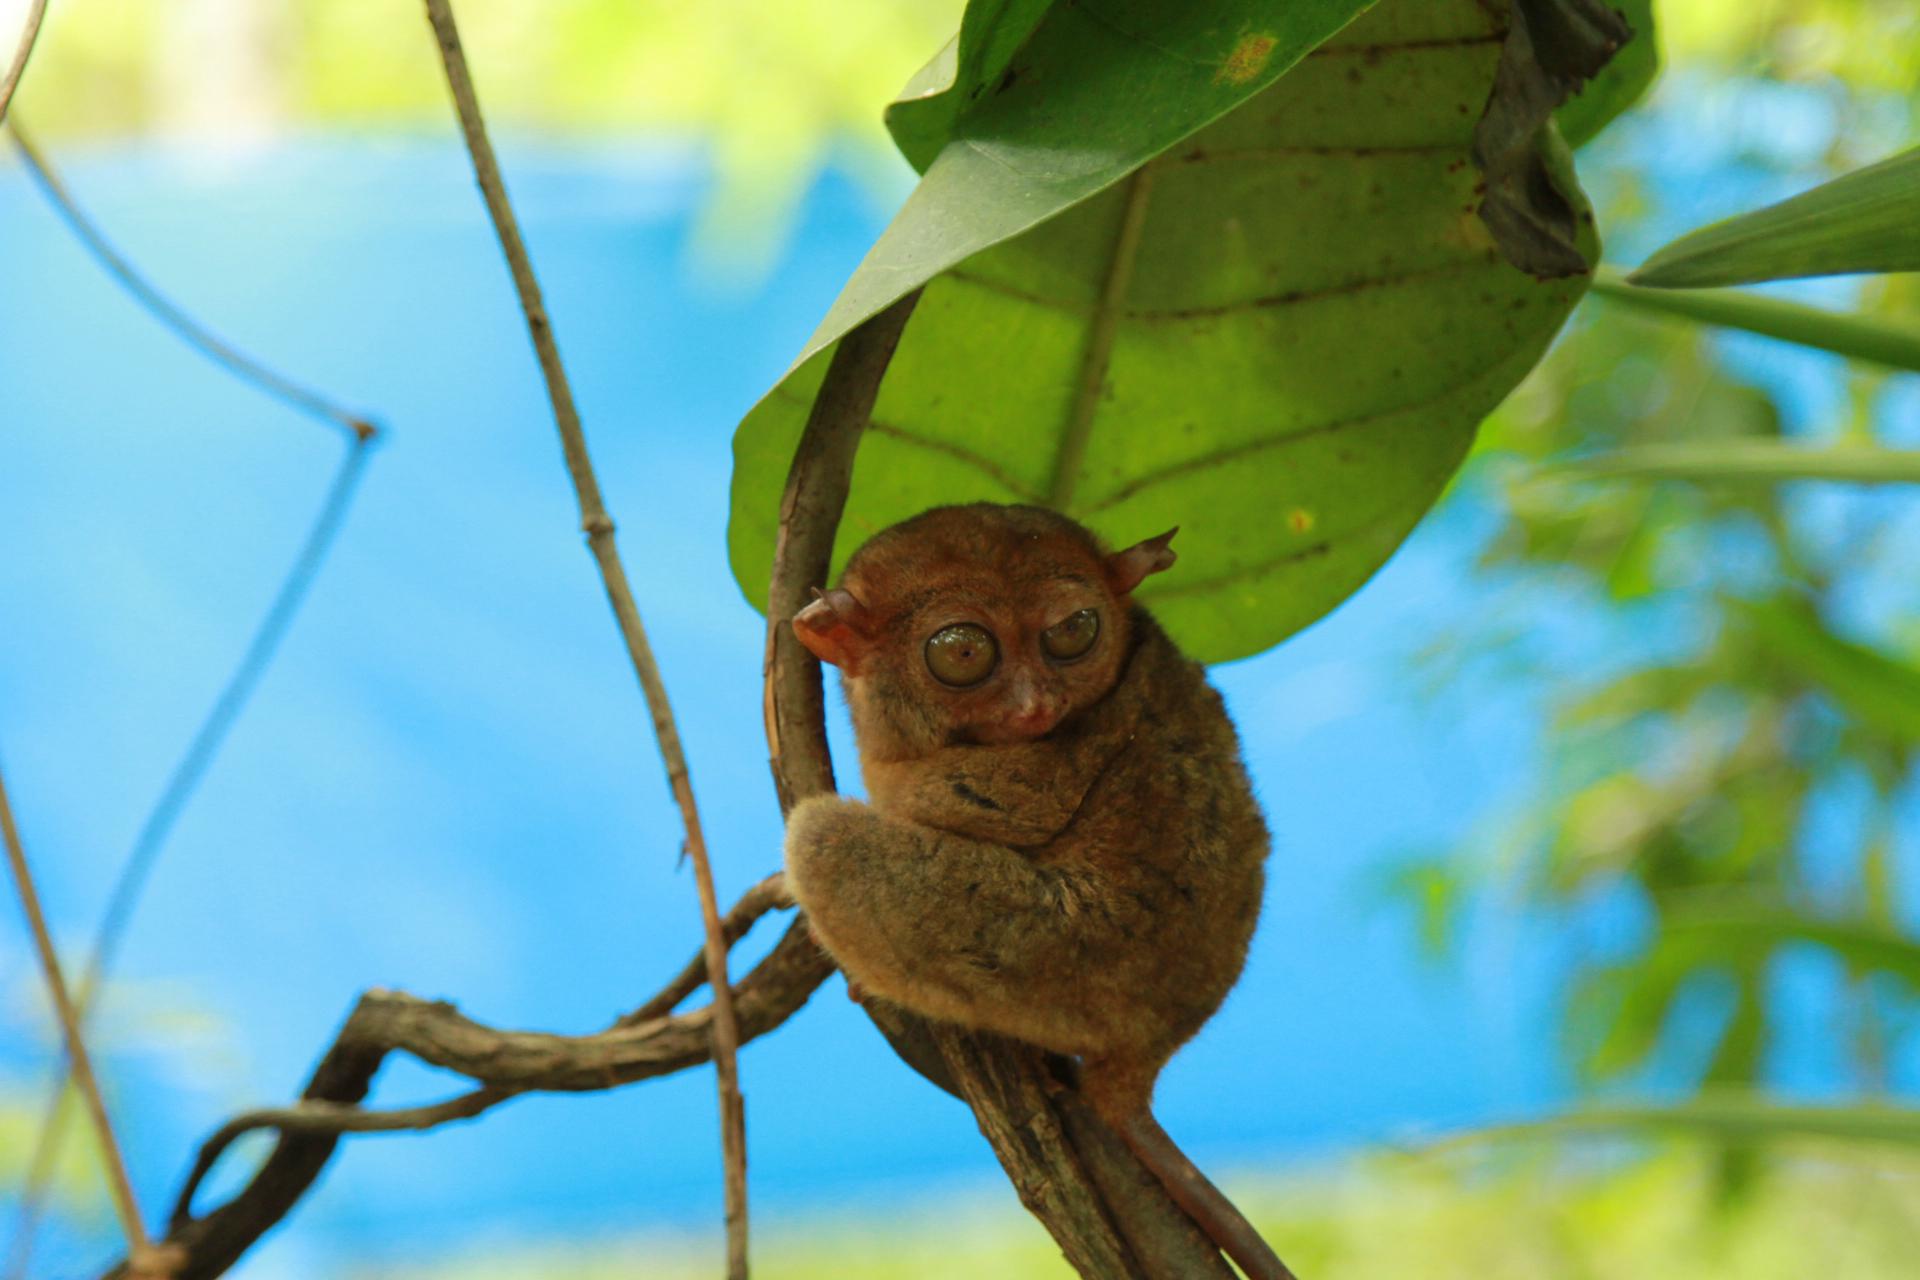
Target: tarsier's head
982 623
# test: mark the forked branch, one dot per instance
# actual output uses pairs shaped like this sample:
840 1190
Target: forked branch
502 1064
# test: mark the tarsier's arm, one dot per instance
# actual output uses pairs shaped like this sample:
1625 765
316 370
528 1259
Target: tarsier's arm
955 927
1021 794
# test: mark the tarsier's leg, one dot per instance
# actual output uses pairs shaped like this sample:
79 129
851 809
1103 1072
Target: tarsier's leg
962 929
1121 1091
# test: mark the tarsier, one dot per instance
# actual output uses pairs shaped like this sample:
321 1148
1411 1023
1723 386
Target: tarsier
1060 842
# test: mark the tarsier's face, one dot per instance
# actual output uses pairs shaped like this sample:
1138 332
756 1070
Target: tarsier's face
980 624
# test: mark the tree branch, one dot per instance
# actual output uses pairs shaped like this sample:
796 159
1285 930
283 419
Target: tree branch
503 1063
118 1185
23 50
600 539
770 894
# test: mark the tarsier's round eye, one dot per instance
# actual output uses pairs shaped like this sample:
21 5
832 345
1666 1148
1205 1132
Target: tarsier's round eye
962 655
1073 636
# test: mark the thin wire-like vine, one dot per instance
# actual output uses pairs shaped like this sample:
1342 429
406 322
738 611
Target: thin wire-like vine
136 870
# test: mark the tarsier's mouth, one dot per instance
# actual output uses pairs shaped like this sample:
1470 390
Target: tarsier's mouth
1021 726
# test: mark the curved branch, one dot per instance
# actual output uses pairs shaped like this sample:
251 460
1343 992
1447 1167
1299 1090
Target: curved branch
171 315
333 1118
769 895
503 1063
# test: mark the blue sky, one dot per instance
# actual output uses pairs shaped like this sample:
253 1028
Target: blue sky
447 782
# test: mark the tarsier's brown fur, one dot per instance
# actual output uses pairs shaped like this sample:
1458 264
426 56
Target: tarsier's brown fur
1066 852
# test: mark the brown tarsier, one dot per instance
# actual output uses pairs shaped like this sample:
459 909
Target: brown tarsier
1061 843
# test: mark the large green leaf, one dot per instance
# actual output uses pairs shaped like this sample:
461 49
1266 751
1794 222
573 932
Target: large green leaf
1279 334
1868 220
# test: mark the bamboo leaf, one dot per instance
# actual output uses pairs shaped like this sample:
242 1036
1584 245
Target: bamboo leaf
1875 688
1733 1116
1856 337
1864 221
1761 461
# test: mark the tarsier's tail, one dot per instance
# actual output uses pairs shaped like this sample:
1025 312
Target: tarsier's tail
1194 1192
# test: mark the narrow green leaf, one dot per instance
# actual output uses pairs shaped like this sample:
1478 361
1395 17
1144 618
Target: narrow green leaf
1279 333
1875 688
1864 221
1709 934
1624 81
1764 461
1856 337
1732 1116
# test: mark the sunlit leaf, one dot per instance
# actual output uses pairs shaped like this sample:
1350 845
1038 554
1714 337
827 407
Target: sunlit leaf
1868 220
1856 337
1279 335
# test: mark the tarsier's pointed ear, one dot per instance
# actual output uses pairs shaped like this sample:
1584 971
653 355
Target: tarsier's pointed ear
1127 569
836 627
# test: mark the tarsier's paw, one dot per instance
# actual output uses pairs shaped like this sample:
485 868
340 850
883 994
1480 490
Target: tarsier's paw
827 838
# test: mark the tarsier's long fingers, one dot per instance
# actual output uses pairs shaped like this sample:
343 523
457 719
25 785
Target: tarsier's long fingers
1205 1203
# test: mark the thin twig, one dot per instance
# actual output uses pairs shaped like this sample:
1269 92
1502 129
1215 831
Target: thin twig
329 1118
116 1166
131 881
169 313
36 14
769 895
816 493
600 539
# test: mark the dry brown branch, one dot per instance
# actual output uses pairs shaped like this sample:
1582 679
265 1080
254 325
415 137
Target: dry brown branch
68 1018
600 538
503 1063
23 50
1108 1213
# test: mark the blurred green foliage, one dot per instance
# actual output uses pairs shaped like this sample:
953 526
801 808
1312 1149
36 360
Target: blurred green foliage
1522 1216
1731 747
772 90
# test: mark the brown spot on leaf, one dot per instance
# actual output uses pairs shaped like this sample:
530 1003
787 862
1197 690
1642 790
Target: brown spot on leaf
1247 59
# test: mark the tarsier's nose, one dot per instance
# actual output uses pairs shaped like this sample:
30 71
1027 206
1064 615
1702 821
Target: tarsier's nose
1034 712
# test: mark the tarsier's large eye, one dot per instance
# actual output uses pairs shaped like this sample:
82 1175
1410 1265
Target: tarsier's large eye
1073 636
962 655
